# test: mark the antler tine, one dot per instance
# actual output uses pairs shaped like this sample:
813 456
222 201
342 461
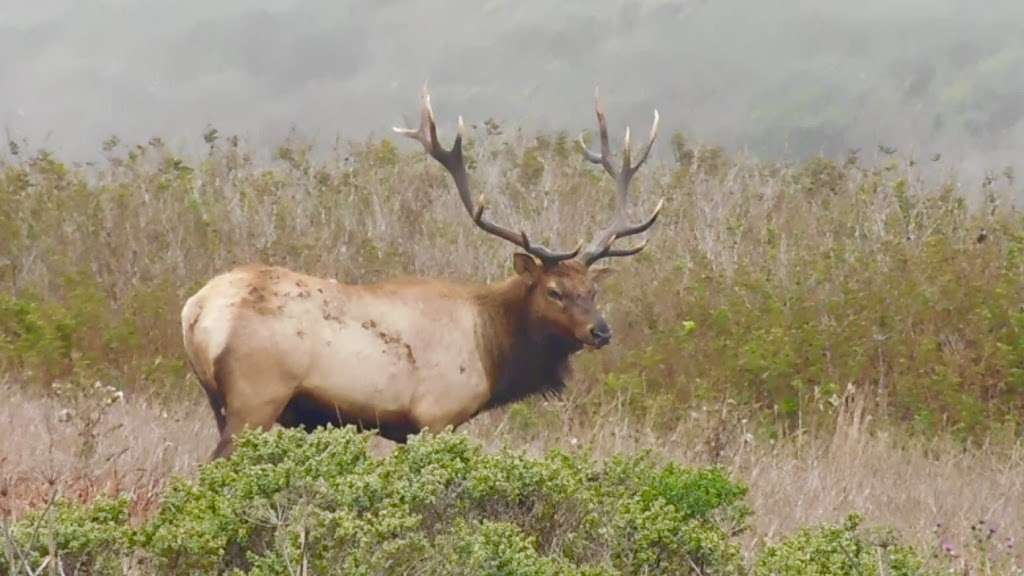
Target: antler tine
629 169
453 161
426 134
605 157
602 245
650 141
609 252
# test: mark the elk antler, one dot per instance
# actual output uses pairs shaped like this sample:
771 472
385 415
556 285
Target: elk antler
602 245
452 160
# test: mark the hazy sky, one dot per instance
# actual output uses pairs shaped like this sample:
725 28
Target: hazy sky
779 77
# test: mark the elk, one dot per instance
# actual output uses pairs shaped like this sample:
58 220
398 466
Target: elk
270 345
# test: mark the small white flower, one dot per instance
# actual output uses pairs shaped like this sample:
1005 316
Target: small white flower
114 396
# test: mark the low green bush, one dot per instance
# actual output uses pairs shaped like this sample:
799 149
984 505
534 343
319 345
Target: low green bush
289 503
439 505
840 550
93 539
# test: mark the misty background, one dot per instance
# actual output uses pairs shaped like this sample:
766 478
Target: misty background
781 79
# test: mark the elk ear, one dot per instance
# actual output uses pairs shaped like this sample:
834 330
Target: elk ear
526 265
598 275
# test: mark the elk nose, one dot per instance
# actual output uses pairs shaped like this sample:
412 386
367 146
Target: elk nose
601 333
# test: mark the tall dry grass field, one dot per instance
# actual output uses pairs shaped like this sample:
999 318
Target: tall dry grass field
843 336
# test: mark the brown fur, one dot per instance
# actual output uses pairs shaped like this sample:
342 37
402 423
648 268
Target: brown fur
519 362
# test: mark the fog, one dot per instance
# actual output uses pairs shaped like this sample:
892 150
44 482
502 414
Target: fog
779 79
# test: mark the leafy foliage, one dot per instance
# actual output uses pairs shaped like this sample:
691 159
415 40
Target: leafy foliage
438 505
93 539
838 551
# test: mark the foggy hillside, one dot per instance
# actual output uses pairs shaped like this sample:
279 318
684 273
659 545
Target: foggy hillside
780 79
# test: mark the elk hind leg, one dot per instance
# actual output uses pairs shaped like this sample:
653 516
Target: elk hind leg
251 415
213 394
255 398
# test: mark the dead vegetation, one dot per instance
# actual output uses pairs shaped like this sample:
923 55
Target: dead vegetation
843 337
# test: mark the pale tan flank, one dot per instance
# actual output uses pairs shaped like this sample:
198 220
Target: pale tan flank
270 345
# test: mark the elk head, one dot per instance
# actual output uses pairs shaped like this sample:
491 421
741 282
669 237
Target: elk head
561 285
561 299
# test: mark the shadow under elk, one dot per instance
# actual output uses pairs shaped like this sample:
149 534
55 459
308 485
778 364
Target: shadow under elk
270 345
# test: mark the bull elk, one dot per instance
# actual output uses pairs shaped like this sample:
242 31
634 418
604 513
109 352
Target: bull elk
270 345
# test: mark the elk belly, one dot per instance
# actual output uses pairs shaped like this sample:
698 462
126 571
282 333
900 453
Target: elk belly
363 375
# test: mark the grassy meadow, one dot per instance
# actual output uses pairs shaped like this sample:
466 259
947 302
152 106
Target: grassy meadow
803 341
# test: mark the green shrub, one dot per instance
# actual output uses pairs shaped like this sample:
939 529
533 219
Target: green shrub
93 539
288 502
840 550
287 497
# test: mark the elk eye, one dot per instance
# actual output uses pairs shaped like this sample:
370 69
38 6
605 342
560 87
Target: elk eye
554 295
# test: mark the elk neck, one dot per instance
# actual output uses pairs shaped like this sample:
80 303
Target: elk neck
519 359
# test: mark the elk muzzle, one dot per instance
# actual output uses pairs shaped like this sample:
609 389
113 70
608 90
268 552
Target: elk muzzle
600 333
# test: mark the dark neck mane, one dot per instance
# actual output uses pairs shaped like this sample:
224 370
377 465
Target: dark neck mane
518 363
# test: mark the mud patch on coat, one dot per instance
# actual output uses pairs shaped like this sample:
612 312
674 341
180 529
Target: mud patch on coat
259 296
393 342
302 289
332 311
257 300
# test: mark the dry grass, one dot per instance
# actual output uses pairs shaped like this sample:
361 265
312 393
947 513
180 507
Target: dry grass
934 492
938 495
133 449
771 285
767 289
